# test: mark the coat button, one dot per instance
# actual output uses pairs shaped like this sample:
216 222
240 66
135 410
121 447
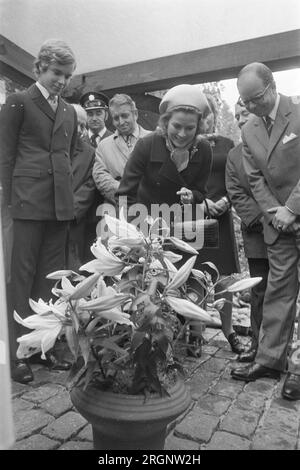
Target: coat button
50 172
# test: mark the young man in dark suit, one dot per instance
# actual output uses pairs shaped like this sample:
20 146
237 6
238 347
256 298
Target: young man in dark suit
271 147
38 133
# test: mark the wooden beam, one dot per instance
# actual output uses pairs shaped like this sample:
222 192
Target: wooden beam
279 51
14 57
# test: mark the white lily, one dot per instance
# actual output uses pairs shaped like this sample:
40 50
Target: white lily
183 246
115 315
66 290
244 284
46 330
43 308
63 273
173 257
188 309
122 229
106 263
182 274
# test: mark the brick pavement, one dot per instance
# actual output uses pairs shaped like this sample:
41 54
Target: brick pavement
224 414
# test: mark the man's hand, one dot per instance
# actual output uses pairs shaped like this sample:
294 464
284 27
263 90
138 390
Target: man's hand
282 219
222 205
214 209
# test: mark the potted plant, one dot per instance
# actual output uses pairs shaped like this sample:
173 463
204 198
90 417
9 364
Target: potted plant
121 325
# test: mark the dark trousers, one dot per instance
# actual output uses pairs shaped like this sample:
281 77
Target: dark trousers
38 249
257 267
280 300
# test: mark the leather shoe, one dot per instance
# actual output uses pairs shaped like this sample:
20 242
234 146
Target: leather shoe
51 361
21 372
236 346
247 356
291 387
253 372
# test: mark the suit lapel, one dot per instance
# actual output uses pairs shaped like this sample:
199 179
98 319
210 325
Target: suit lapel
60 114
260 132
41 102
280 124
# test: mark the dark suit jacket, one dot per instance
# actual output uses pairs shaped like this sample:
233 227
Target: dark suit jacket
240 194
150 176
35 156
83 183
273 165
98 197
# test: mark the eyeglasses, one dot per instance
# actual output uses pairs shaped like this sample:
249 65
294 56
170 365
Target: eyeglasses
256 100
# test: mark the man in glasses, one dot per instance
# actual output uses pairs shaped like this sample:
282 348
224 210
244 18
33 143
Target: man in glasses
271 149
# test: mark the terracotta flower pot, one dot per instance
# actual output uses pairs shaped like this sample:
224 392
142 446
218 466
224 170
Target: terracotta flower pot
129 421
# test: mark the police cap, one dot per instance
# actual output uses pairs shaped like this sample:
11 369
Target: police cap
94 100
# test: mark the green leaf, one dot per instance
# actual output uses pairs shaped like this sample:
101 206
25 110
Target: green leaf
91 367
109 344
77 370
72 341
137 339
84 344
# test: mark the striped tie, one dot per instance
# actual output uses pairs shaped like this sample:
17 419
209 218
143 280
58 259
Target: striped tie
94 140
268 124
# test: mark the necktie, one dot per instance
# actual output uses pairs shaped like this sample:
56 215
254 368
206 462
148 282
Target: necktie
128 140
268 124
94 140
52 100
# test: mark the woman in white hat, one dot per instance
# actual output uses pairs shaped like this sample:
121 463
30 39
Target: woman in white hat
170 165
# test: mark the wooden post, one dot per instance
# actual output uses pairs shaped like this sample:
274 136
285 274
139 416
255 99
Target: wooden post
7 437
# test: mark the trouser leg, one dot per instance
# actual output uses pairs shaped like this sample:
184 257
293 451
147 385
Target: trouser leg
279 303
257 267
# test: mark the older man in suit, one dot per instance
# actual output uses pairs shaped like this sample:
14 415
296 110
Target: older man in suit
271 159
38 133
242 199
112 153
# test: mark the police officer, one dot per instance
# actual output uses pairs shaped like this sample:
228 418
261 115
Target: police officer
96 106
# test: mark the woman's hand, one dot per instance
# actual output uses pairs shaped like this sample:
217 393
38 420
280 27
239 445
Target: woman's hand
186 196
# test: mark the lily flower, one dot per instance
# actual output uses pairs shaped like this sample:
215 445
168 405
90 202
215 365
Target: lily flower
46 328
123 230
105 263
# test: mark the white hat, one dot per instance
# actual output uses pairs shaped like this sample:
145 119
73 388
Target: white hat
189 96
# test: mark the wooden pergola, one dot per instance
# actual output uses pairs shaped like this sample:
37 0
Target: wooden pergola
279 51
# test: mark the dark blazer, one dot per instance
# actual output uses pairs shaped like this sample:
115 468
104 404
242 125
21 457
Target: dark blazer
150 176
83 183
35 156
240 194
273 165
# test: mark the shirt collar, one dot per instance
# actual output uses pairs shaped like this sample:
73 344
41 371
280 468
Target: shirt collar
273 112
100 133
43 90
135 133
